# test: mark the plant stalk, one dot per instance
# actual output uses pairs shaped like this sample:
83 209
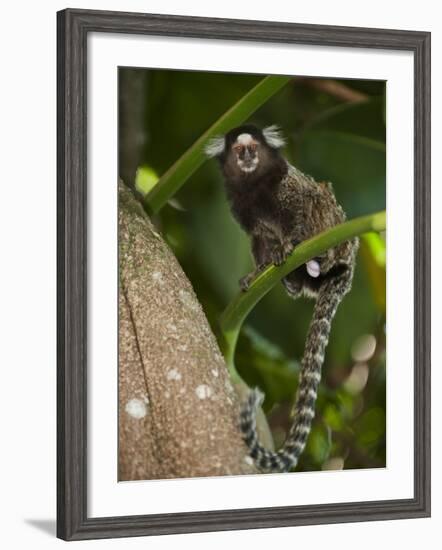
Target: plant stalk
233 316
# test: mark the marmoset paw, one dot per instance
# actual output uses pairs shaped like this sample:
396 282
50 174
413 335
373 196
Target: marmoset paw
245 281
280 254
288 248
278 257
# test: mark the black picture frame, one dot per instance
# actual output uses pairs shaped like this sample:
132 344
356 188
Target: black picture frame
73 27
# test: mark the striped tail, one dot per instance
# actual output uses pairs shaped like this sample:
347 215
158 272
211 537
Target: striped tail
329 296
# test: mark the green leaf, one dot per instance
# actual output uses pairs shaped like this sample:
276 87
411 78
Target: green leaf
263 364
332 417
194 157
210 220
376 245
354 164
360 119
370 427
373 256
145 179
318 445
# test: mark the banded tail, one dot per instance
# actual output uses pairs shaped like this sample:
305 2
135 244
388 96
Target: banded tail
329 296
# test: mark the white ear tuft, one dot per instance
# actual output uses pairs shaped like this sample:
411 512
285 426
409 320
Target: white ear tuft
274 136
214 147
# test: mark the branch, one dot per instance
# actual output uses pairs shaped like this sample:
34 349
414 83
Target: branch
336 89
235 313
194 157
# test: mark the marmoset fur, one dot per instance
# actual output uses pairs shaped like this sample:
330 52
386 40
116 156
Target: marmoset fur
279 207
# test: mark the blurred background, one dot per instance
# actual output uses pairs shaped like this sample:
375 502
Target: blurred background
335 131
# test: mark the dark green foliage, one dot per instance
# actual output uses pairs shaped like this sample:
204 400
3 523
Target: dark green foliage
330 139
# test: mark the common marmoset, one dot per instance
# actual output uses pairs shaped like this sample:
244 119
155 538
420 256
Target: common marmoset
279 207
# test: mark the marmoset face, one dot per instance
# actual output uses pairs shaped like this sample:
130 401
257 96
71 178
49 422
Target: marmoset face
246 152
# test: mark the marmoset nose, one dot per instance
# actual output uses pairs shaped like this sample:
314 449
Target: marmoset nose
247 154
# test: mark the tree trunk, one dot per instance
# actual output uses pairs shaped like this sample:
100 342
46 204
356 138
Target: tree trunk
178 410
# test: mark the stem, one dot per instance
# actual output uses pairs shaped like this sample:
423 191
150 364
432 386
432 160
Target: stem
235 313
194 157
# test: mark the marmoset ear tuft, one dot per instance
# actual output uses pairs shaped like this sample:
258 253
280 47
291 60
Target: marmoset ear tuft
214 147
273 136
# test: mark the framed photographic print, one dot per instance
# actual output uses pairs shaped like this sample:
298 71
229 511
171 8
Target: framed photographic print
243 274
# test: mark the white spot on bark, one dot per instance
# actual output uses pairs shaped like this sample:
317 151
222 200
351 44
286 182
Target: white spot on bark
157 276
187 300
203 391
248 460
228 386
137 408
173 374
215 373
